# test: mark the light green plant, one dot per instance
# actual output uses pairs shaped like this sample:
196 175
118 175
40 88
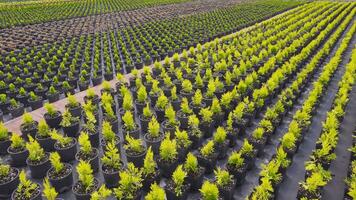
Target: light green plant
168 149
135 145
85 175
129 121
84 142
178 178
223 178
191 164
111 157
209 191
156 193
149 164
101 194
208 149
55 160
49 192
36 153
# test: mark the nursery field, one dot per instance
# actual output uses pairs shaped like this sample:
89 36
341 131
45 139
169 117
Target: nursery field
177 99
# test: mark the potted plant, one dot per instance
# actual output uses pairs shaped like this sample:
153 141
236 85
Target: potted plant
218 114
111 165
236 166
145 118
73 106
109 136
35 101
17 151
207 156
220 141
65 146
174 98
130 127
225 183
38 159
52 94
70 124
9 180
102 193
60 175
248 153
4 103
135 151
195 173
187 89
28 126
91 96
87 152
111 117
207 123
183 143
184 113
209 191
90 128
53 117
142 99
232 132
130 183
168 156
86 183
156 193
263 191
258 140
154 136
4 139
26 189
43 136
16 108
150 173
22 96
177 187
197 102
210 93
49 192
170 124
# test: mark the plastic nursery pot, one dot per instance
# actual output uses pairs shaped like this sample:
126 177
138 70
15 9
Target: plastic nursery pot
227 192
167 168
36 104
144 123
75 111
62 182
207 128
67 153
18 156
72 130
168 128
209 163
53 121
93 159
171 194
4 144
222 149
135 133
80 192
183 119
160 114
52 97
196 179
17 112
47 143
152 142
114 125
94 139
238 173
148 180
111 176
9 184
35 195
40 168
140 106
136 158
31 130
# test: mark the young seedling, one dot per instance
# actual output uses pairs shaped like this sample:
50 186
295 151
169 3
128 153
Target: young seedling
36 153
209 191
101 194
49 192
111 159
168 150
156 193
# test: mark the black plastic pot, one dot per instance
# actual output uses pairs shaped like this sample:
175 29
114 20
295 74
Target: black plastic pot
94 139
67 154
64 183
4 145
166 168
46 143
52 97
196 180
75 111
94 161
54 121
147 181
16 112
144 124
36 104
135 133
171 195
111 178
72 130
227 192
84 196
32 130
208 163
154 143
207 128
222 149
39 170
6 189
38 196
18 158
136 159
183 119
238 173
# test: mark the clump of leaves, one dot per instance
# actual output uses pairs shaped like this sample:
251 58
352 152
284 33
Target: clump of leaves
55 160
197 98
130 182
4 133
223 177
134 145
111 157
63 141
149 164
236 160
182 138
36 153
68 119
209 191
191 164
178 178
129 121
26 187
85 175
220 135
84 142
156 193
168 149
43 129
51 110
208 149
48 191
185 107
147 113
101 194
206 115
17 142
171 115
4 170
153 128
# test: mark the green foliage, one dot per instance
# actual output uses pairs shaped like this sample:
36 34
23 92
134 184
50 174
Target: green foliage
62 140
174 95
4 170
55 160
142 94
27 118
209 191
220 135
223 178
171 115
68 119
135 145
36 153
109 112
129 121
108 133
130 182
215 106
52 90
147 111
191 164
162 101
288 141
17 142
315 181
49 192
208 149
206 115
197 98
85 174
84 142
156 193
211 89
258 133
4 133
101 194
182 138
153 128
111 156
263 191
50 109
247 148
185 107
149 164
72 100
236 160
187 86
178 178
106 98
26 187
14 103
168 149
